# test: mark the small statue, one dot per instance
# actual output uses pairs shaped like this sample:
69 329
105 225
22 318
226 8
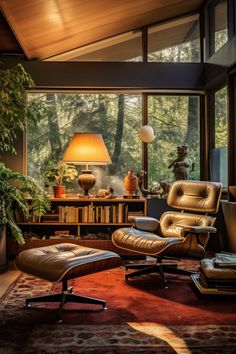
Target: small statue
182 165
106 193
165 185
158 190
111 194
144 191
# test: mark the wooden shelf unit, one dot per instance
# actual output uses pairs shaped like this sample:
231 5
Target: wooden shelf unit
102 216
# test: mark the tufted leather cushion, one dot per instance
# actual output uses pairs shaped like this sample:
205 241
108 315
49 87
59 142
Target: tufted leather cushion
147 243
172 223
195 196
65 261
213 272
143 242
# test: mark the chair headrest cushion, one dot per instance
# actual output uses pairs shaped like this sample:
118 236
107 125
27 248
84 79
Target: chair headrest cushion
203 196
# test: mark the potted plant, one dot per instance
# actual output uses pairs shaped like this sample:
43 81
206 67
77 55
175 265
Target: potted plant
13 117
57 173
14 187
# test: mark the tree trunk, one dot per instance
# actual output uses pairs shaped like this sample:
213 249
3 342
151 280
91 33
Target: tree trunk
53 126
118 136
192 134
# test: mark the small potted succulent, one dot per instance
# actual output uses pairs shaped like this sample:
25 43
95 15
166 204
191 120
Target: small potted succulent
57 173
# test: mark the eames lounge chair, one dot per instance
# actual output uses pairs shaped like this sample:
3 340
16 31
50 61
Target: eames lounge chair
177 234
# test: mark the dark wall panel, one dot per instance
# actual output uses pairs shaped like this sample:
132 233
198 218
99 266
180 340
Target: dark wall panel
115 75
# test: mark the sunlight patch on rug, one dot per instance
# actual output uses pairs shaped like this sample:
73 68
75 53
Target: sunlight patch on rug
164 333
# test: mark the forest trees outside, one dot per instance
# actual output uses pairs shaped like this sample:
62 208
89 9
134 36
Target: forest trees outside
118 117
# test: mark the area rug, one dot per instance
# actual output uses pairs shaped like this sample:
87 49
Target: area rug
142 317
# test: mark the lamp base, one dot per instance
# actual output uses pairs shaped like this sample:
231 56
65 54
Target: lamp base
86 181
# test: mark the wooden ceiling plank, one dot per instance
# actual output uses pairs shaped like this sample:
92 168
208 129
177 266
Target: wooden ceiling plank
13 25
49 27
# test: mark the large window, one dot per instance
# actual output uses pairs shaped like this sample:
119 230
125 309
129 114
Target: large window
219 154
59 115
175 41
175 120
118 117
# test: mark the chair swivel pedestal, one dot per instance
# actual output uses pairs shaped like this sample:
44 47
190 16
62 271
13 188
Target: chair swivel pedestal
62 262
158 267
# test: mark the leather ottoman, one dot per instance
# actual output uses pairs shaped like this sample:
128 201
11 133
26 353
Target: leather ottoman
64 261
216 277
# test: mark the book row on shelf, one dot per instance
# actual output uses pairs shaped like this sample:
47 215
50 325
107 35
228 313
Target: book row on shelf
94 214
111 214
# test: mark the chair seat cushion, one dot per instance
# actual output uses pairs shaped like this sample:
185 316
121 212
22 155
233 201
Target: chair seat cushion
143 241
65 261
217 273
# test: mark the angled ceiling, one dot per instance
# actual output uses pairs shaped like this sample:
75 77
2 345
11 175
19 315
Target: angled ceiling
41 29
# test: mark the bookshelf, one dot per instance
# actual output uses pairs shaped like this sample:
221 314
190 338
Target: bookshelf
86 221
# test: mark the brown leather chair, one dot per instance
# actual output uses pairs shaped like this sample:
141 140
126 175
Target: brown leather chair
177 234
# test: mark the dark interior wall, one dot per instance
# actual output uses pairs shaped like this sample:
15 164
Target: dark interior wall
111 75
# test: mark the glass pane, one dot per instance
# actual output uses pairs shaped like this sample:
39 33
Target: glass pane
175 41
219 155
221 129
59 115
221 24
124 47
175 120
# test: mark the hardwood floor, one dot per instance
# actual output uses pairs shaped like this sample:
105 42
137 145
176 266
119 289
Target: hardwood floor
7 278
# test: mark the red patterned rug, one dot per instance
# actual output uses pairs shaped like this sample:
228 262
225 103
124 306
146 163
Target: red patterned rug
142 317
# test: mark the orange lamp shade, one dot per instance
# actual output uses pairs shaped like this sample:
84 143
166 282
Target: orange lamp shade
87 148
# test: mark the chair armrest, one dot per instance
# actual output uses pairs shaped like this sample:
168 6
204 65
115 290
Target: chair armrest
198 230
145 223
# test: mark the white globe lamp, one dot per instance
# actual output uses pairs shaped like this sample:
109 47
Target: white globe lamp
146 134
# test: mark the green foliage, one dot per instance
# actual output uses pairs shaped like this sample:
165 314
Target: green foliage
56 172
221 127
14 187
13 104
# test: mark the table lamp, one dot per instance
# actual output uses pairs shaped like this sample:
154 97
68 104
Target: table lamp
87 149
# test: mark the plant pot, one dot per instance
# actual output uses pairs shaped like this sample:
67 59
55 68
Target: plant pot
59 191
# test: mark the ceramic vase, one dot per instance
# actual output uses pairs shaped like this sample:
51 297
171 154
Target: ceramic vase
131 183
